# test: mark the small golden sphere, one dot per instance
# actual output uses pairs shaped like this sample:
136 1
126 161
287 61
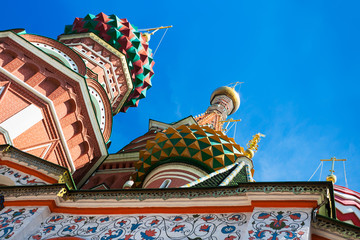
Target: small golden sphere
229 92
147 36
331 178
249 153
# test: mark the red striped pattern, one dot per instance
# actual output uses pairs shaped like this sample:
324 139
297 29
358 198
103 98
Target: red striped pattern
347 203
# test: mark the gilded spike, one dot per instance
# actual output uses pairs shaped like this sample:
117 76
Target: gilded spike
253 145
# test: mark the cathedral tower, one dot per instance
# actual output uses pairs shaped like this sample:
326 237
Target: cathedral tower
224 102
63 94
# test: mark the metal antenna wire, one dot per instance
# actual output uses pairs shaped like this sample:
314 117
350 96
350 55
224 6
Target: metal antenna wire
314 172
321 170
160 41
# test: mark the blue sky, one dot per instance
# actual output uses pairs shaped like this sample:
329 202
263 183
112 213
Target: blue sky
300 61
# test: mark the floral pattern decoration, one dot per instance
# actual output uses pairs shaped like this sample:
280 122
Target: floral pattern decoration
12 219
223 226
20 178
279 224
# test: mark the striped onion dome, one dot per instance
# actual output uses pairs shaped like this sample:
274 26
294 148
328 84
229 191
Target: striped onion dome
124 37
347 203
197 145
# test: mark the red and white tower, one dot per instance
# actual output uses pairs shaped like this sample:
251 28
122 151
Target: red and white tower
63 94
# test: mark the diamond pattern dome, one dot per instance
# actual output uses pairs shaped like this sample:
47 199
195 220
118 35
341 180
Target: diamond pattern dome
196 143
124 37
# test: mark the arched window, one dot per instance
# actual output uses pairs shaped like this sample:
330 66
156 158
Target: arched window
165 183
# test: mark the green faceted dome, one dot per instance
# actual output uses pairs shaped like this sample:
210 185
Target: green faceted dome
202 146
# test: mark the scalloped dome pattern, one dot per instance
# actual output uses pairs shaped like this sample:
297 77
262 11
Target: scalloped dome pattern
203 144
124 37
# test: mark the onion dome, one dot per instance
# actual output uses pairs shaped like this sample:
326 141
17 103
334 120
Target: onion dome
200 146
347 204
124 37
230 93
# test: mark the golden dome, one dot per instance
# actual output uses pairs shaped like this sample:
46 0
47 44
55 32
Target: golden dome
229 92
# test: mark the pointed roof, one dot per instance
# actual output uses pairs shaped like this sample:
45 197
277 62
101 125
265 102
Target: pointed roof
227 176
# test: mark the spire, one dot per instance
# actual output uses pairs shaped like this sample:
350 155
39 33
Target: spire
224 101
253 145
332 177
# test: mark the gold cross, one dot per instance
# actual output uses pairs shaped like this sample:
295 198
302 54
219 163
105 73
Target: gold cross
235 84
333 159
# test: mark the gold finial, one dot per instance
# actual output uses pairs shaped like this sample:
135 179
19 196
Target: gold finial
150 31
253 145
332 177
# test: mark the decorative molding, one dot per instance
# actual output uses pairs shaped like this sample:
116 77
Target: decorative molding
6 135
122 157
161 125
347 231
179 193
24 191
114 51
49 42
30 160
70 63
97 63
25 159
186 193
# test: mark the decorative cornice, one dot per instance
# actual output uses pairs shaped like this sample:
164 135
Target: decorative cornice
123 64
31 160
161 125
61 173
6 135
186 193
343 229
65 50
36 190
164 194
108 118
